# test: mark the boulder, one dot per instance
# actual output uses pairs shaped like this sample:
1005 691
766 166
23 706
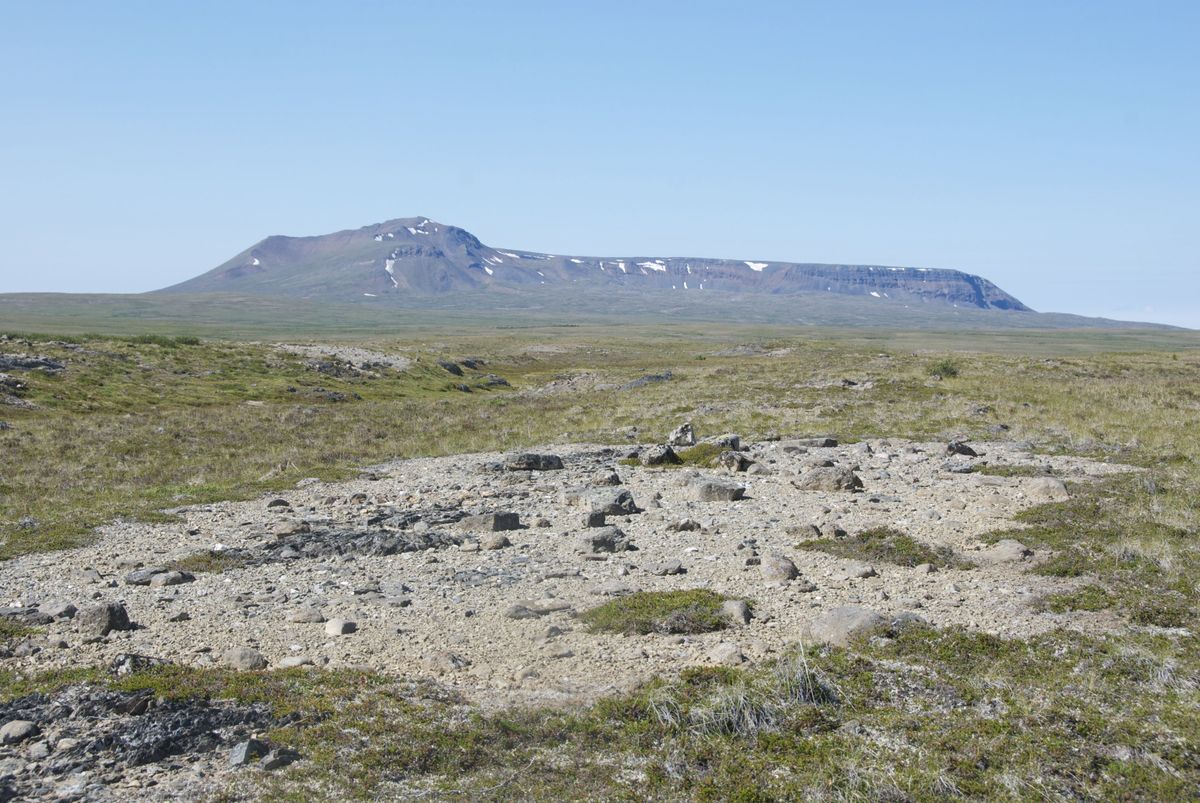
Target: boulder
603 539
838 626
733 462
727 441
243 659
829 478
736 611
17 731
142 577
777 569
100 620
1005 551
704 489
170 579
726 653
659 455
682 435
307 616
610 501
1047 489
493 541
960 448
492 522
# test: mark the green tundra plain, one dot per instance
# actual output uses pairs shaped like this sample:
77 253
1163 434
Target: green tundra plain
144 420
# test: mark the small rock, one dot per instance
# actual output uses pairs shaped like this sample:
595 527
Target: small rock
670 567
594 518
340 627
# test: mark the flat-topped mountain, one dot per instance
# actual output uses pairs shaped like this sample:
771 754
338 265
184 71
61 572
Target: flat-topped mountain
412 257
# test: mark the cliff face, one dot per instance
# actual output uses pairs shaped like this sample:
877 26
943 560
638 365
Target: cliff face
413 257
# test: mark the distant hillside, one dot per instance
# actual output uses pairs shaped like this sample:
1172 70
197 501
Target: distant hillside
411 258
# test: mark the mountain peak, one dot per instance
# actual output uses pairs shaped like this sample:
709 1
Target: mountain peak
418 256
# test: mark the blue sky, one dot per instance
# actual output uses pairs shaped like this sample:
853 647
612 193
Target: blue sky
1051 147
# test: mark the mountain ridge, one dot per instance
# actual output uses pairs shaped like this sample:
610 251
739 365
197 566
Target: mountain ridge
417 256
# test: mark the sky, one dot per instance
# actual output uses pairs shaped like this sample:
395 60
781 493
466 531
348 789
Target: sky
1053 148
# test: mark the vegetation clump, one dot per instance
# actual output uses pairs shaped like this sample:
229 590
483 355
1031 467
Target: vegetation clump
210 561
887 545
687 612
1086 598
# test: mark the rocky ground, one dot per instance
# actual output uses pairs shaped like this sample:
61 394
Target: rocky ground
470 569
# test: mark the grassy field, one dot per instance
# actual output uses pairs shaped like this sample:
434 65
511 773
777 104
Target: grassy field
138 424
